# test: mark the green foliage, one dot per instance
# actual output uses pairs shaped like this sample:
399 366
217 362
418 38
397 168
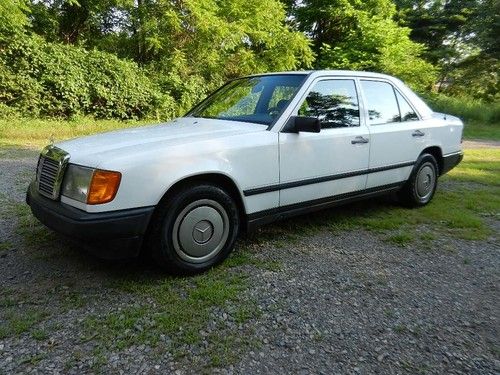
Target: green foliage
482 119
475 77
187 48
74 57
362 35
50 79
12 17
438 24
194 48
466 108
462 42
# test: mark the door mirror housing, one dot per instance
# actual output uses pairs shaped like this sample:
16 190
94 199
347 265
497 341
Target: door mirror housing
307 124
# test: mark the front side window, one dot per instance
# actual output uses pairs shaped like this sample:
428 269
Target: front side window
334 102
381 102
258 99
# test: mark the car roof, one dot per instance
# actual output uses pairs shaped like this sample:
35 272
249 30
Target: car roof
350 73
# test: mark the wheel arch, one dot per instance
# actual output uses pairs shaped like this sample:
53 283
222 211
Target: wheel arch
218 179
438 155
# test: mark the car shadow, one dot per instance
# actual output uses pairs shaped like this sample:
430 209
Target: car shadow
59 257
48 253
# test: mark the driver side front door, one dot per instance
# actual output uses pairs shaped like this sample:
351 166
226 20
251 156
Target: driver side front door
325 165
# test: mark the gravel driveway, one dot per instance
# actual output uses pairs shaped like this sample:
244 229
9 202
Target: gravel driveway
344 301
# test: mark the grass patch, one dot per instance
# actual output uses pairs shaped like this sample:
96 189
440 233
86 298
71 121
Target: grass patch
175 314
474 129
223 353
428 237
39 335
28 227
36 133
15 322
400 239
33 360
5 246
400 328
479 165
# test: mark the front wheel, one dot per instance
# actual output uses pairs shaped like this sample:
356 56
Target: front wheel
194 230
421 186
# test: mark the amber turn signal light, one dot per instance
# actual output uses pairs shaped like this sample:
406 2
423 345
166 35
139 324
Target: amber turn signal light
103 186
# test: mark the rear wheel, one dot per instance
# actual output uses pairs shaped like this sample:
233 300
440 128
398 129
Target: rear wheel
421 186
194 230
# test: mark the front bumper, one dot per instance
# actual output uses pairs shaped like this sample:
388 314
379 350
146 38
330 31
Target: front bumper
450 161
108 235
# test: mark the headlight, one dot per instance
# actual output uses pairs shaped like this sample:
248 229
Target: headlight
77 182
91 186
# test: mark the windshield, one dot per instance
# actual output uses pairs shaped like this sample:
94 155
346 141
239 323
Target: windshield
259 99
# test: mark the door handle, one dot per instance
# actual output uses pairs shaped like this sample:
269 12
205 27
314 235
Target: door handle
359 139
418 133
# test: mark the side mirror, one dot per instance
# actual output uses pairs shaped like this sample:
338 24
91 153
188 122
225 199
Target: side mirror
303 124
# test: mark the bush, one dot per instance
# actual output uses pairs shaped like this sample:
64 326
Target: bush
56 80
466 108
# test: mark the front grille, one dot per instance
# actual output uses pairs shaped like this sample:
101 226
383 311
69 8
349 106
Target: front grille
50 171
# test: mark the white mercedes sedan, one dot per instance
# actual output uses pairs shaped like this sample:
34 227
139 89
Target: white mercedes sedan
258 149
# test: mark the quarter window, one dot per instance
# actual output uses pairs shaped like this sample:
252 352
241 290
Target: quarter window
407 112
381 102
334 102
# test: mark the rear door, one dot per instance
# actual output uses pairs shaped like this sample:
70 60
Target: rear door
397 134
334 161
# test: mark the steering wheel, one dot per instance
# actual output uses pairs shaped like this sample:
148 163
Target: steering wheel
275 111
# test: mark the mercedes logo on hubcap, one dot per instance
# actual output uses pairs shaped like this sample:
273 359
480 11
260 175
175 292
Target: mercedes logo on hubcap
202 232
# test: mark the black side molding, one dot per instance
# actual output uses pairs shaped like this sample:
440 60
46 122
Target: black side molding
258 219
317 180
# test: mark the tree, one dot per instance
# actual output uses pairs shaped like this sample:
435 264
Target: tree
193 46
485 27
461 37
186 47
438 24
361 35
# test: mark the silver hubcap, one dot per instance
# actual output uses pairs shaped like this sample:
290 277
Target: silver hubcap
200 231
426 178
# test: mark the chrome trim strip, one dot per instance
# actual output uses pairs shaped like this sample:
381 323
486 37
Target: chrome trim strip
453 153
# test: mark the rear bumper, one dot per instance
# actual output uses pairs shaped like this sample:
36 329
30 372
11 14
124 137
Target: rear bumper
108 235
450 161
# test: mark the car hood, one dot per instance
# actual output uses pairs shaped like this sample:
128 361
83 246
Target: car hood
91 150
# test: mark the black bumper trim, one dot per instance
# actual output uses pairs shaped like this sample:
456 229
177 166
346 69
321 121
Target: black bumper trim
108 235
450 161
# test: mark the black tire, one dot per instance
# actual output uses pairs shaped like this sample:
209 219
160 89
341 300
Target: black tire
422 184
178 238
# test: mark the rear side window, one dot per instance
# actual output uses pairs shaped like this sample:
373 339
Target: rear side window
381 102
334 102
407 112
